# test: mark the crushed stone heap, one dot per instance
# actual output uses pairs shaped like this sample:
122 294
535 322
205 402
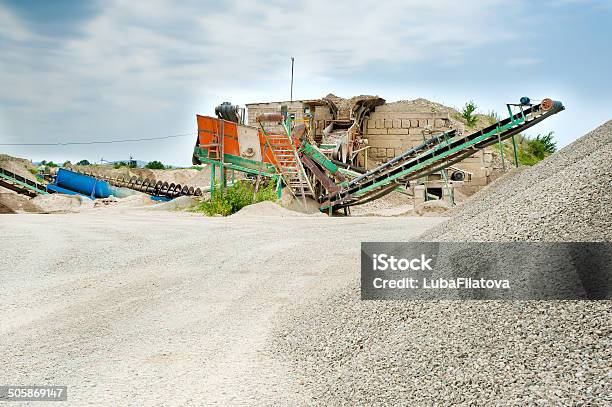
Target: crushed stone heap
351 352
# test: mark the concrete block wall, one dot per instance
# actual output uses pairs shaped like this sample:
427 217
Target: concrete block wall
390 132
394 128
255 109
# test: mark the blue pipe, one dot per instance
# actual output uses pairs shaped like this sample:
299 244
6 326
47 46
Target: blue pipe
82 184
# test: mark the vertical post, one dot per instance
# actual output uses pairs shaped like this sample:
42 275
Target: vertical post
261 164
292 61
279 187
501 150
515 152
222 170
212 179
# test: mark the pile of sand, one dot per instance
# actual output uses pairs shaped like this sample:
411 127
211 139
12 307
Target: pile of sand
135 201
438 207
61 203
19 166
177 204
307 206
268 209
11 202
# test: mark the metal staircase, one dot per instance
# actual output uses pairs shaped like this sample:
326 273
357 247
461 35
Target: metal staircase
288 163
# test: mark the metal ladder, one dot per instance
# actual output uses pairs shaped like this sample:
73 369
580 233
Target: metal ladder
288 164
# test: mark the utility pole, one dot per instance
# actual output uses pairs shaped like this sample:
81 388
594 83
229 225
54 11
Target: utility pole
292 60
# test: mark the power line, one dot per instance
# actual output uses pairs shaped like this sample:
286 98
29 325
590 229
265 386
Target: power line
97 142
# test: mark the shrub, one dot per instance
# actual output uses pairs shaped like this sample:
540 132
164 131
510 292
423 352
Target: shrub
531 150
542 146
83 162
119 164
235 198
155 165
267 193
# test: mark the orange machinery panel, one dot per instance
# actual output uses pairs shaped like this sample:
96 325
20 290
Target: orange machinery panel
209 134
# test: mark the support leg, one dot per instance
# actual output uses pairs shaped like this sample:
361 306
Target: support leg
516 162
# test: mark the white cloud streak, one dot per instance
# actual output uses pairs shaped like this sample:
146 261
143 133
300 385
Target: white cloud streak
148 67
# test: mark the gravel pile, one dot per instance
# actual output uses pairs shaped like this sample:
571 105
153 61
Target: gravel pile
350 352
566 197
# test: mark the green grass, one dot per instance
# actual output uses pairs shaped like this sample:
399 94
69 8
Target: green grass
235 198
492 117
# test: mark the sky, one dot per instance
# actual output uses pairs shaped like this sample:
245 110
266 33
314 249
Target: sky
79 71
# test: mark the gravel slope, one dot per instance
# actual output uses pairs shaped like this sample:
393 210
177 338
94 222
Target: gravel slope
352 352
566 198
140 308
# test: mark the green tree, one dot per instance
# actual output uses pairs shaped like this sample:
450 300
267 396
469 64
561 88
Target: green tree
66 163
155 165
543 145
83 162
468 113
119 164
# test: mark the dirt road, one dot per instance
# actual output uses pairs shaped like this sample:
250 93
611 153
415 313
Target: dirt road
142 308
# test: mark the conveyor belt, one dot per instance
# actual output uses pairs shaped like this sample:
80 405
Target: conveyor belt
434 155
149 186
21 185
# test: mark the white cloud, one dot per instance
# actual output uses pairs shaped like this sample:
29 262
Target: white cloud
150 66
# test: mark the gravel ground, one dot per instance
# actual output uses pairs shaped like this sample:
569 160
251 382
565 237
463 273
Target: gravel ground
133 307
351 352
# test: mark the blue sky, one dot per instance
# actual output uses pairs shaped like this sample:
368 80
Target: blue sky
86 71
